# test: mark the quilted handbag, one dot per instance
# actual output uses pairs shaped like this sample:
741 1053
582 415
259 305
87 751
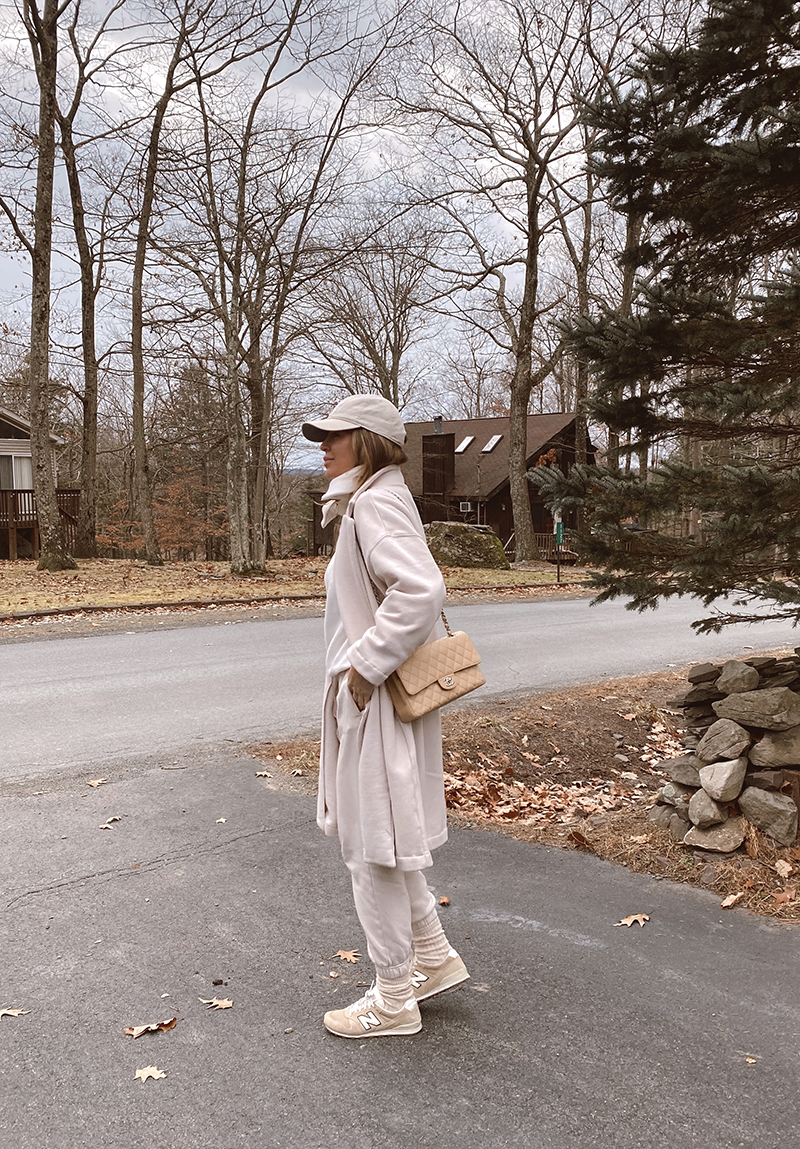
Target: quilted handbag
435 674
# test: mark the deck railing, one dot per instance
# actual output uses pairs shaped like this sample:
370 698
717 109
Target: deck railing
18 511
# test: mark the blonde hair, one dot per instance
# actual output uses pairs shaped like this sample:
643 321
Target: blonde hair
373 452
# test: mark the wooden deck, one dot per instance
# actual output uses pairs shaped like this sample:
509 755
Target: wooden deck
18 514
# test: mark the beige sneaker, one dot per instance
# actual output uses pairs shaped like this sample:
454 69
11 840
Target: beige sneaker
430 980
368 1018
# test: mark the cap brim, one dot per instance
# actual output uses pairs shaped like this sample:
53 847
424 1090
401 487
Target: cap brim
319 429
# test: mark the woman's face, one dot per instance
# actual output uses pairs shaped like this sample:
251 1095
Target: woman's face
337 453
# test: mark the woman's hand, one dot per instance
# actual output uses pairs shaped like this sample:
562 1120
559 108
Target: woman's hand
360 689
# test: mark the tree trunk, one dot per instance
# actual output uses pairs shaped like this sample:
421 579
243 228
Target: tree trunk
86 542
142 477
238 519
524 540
43 32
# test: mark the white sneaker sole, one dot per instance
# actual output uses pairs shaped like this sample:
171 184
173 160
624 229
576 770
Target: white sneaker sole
396 1031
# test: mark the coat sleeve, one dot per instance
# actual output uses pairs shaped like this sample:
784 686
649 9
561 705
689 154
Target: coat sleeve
400 564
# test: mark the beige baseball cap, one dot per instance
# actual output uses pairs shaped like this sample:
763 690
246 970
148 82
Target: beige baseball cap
372 412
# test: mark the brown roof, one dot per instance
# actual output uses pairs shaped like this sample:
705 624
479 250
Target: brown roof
478 475
23 424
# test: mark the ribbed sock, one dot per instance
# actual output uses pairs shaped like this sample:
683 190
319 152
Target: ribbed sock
430 941
395 991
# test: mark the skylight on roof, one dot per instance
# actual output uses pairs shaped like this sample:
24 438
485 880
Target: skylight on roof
490 446
465 442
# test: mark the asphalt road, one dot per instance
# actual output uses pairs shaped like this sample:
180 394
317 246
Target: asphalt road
107 697
571 1033
212 882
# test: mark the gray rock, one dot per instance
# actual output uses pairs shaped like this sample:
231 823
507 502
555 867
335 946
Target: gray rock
723 781
465 545
682 769
705 812
770 709
766 779
661 816
709 875
737 678
761 661
775 814
722 839
675 794
703 672
701 710
678 828
779 749
703 692
787 679
725 739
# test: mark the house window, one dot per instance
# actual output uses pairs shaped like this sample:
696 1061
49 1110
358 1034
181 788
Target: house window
465 442
490 446
23 473
16 473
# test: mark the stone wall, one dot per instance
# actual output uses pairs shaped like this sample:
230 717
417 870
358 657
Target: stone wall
743 755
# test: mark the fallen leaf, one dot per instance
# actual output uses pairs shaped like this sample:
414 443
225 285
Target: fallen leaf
297 774
95 782
786 895
351 956
333 973
220 820
107 825
149 1071
631 918
444 900
731 900
4 1012
628 717
135 1031
784 868
216 1002
579 839
795 853
639 838
751 1060
263 774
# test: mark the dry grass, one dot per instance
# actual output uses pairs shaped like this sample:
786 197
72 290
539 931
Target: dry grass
116 582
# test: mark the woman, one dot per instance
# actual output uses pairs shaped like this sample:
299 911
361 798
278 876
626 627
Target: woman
381 789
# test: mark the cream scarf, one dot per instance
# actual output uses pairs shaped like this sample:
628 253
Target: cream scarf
337 496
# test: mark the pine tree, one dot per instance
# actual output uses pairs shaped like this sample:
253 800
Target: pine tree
704 150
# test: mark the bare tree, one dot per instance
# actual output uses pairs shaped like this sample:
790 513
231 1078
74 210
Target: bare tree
496 94
374 306
41 25
256 236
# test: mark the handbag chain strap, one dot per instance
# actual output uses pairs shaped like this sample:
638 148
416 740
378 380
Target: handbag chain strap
379 597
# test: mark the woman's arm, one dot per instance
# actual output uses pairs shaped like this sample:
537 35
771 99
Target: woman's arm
400 564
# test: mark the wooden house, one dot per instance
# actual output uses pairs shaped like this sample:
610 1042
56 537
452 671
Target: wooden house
19 530
457 470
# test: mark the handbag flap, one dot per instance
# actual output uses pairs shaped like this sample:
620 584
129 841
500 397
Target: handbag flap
434 660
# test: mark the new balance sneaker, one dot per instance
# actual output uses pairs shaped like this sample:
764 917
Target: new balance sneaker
368 1018
430 980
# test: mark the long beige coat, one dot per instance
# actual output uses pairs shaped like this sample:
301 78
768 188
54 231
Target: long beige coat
381 788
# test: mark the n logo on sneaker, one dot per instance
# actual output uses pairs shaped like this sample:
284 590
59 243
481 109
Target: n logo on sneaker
418 978
368 1020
